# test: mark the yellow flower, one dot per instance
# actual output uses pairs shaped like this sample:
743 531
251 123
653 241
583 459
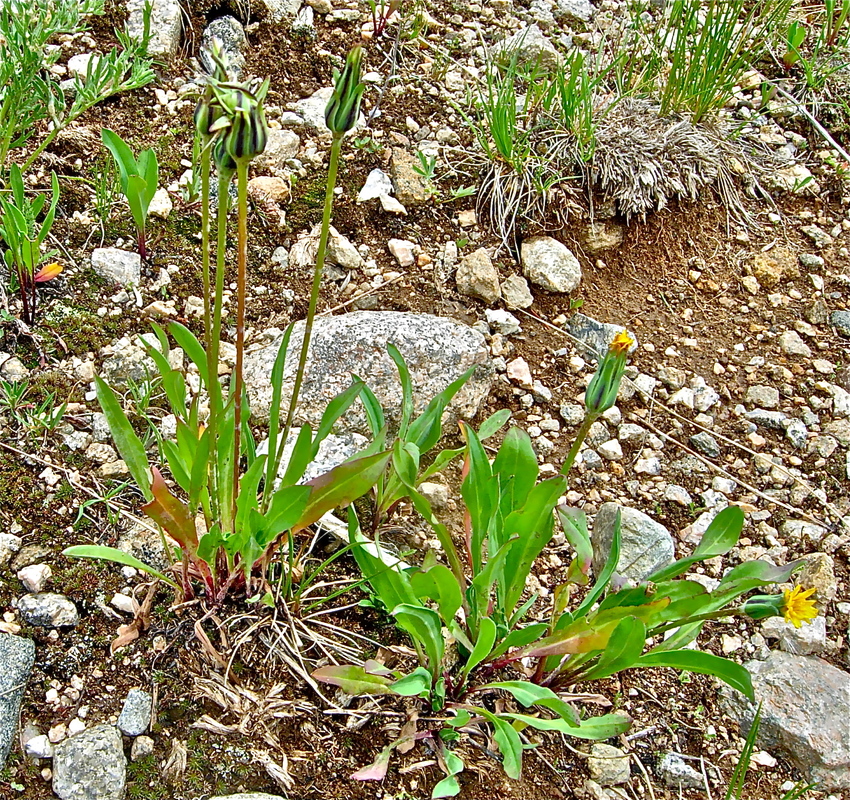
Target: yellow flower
797 608
622 342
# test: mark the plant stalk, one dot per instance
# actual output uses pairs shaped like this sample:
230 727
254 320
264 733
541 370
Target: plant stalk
242 188
577 443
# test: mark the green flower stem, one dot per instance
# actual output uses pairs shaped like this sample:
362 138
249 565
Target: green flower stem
726 612
577 443
242 203
314 294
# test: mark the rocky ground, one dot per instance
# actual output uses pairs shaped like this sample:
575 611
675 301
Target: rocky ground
738 393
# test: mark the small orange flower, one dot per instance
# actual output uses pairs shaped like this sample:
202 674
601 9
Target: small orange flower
796 606
622 342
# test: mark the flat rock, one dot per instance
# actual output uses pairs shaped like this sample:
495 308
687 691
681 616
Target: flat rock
807 640
603 236
166 25
594 338
763 396
281 10
48 610
805 708
477 276
574 10
549 264
516 293
340 250
678 774
410 186
281 147
529 46
17 656
377 183
332 452
437 351
645 545
231 35
9 545
90 765
792 344
609 766
135 717
116 265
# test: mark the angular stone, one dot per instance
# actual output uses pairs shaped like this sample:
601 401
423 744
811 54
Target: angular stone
377 183
763 396
805 708
609 766
575 10
340 250
437 352
90 765
840 320
166 24
705 443
135 717
231 36
530 46
678 774
281 10
645 545
143 746
48 610
594 338
248 796
807 640
410 186
516 293
477 276
281 147
9 545
603 236
774 266
120 266
549 264
17 656
791 344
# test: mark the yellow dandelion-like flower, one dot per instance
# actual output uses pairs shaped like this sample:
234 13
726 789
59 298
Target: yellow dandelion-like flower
622 342
796 606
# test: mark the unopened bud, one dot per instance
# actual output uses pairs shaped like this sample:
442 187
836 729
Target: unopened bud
602 390
343 108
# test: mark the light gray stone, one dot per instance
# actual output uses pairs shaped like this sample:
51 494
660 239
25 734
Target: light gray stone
303 24
549 264
502 321
594 338
166 24
805 708
807 640
703 442
529 46
248 796
840 320
437 352
516 293
281 10
17 656
377 183
609 766
9 545
574 10
281 147
312 110
135 717
767 419
231 36
791 344
677 773
120 266
763 396
48 610
645 545
332 452
90 765
340 250
142 747
477 276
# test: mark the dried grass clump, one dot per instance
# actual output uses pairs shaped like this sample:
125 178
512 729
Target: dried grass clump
643 160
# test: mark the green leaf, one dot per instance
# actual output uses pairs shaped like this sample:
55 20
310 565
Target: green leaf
728 671
622 651
493 423
287 506
529 694
510 745
440 585
193 349
574 525
423 625
354 680
604 577
720 537
333 411
520 638
447 787
516 464
406 388
416 684
373 409
593 729
299 456
128 443
426 429
483 645
341 486
118 556
479 494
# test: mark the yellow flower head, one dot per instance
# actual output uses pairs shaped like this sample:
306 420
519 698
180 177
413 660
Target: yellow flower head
622 342
796 606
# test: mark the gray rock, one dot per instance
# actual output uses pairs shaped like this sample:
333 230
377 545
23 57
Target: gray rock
90 765
29 554
840 320
516 293
303 24
48 610
477 276
763 396
377 183
9 545
530 46
144 544
549 264
810 261
767 419
629 433
609 766
677 773
796 433
120 266
645 545
312 110
340 250
17 656
703 442
281 147
574 10
135 717
281 10
166 24
143 746
437 351
807 640
819 237
572 414
502 321
594 338
332 452
805 708
231 35
791 344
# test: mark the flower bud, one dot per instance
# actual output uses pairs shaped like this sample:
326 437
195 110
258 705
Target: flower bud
762 606
247 134
602 390
343 108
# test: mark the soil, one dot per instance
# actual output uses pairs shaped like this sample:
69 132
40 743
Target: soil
676 276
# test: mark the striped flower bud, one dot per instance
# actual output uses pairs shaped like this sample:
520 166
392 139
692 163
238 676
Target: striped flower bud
343 108
246 135
602 390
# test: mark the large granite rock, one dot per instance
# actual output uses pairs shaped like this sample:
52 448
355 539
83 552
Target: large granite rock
17 656
805 712
437 352
90 765
166 22
645 545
